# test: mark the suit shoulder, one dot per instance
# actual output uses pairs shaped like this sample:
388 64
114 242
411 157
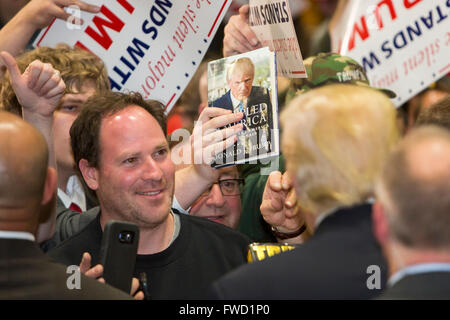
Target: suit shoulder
46 279
70 250
222 102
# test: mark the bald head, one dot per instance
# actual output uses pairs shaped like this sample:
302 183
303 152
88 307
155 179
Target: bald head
427 153
23 163
415 189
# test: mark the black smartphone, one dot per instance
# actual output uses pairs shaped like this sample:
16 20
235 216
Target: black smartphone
118 253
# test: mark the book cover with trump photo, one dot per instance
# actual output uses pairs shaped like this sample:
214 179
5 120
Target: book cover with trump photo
247 83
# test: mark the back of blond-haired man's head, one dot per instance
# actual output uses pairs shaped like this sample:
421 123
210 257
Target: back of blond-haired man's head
336 139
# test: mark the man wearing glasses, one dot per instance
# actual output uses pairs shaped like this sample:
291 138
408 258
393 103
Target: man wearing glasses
222 202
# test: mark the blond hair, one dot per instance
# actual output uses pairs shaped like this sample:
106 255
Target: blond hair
243 65
337 138
75 65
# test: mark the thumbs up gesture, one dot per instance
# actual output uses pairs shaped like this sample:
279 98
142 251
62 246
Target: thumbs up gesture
39 89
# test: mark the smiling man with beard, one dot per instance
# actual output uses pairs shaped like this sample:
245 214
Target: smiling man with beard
120 147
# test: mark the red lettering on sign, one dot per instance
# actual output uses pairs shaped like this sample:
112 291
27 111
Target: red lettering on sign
391 11
113 23
362 31
126 5
82 46
408 4
152 80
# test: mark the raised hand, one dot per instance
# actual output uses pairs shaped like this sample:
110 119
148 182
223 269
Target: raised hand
213 140
205 142
39 89
238 36
96 272
40 13
279 204
37 14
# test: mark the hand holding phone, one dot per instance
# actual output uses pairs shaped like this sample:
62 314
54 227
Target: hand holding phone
118 253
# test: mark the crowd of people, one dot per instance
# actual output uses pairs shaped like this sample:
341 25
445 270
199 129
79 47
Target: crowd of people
361 188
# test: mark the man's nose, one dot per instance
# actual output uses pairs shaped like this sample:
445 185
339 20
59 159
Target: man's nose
215 197
242 85
152 170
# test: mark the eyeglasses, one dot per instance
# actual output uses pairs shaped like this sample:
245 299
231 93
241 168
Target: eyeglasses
228 187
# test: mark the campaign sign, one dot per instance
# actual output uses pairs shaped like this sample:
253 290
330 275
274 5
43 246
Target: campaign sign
271 20
404 45
297 7
153 47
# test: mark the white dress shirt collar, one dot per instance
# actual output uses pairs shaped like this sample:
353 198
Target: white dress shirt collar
235 102
416 269
74 193
19 235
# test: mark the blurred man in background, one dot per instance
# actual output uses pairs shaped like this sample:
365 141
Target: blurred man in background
412 216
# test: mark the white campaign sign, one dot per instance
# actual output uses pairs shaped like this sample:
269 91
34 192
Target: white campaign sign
404 45
153 47
297 7
271 20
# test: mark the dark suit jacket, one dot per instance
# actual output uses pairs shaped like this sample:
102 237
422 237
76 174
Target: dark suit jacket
27 273
431 285
68 223
223 102
331 265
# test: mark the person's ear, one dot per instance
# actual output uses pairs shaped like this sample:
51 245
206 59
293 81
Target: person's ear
48 201
90 174
380 223
49 186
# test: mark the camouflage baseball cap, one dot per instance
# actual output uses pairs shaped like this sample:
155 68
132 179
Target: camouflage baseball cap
329 68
